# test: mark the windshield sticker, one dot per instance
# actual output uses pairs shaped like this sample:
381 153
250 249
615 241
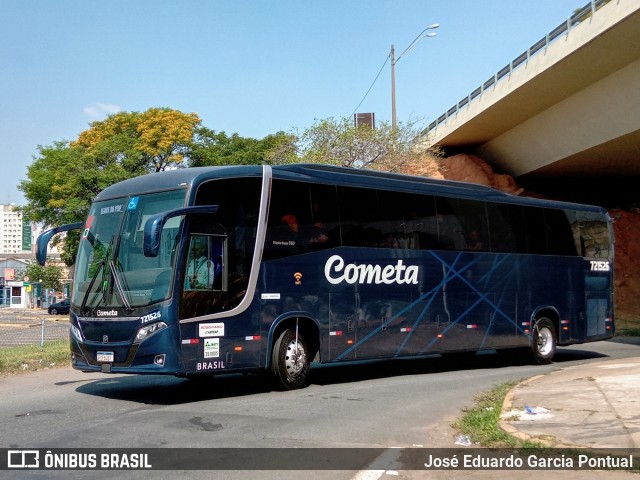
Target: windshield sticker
133 203
111 209
87 226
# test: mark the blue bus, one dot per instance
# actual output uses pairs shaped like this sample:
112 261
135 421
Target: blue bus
205 271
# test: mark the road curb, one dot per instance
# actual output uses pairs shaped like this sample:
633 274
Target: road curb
507 404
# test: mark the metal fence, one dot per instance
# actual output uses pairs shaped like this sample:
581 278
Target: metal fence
541 45
31 327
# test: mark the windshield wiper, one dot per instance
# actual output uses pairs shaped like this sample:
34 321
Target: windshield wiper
101 266
118 284
116 277
90 287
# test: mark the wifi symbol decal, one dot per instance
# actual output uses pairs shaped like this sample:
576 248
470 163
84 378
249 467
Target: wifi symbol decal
298 278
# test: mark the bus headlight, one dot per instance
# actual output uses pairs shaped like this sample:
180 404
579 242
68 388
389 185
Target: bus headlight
77 334
148 330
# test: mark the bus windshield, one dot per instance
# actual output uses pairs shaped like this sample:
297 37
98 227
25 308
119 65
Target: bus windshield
111 269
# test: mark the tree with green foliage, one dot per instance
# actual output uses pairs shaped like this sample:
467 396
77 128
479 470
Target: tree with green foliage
50 275
65 177
217 148
151 141
340 142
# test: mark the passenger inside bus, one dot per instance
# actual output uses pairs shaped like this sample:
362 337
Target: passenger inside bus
474 242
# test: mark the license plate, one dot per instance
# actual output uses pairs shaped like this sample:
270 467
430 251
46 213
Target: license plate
105 357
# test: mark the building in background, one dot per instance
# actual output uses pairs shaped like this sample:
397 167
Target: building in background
15 234
13 290
17 250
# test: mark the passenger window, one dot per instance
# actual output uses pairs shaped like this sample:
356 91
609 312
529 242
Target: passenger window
591 234
358 216
420 222
390 221
325 222
462 224
289 219
303 218
506 228
559 235
536 231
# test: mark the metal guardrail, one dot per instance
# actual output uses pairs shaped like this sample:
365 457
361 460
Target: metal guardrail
31 327
578 17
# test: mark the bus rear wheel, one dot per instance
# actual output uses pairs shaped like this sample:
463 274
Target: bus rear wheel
543 343
291 360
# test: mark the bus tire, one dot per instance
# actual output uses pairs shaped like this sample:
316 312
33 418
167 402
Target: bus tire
290 360
543 342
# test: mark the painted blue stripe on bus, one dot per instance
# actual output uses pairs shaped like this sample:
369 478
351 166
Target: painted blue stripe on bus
451 273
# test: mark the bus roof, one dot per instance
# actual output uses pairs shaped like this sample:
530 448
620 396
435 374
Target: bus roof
327 174
173 179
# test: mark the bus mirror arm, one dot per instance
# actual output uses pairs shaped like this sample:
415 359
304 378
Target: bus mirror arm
153 226
43 239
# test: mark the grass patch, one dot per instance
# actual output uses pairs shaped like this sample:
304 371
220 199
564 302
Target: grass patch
629 331
481 423
29 358
629 327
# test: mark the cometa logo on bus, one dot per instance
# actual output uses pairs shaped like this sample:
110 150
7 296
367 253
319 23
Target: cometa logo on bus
337 272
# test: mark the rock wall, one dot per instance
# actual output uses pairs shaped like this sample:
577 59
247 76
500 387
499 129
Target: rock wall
469 168
626 226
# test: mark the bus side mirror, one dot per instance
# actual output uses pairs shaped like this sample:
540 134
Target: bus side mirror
154 224
43 239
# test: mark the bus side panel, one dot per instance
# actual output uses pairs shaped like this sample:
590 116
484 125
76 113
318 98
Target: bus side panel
459 301
223 345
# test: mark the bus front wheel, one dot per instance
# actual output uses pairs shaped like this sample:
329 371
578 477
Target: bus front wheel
543 343
291 360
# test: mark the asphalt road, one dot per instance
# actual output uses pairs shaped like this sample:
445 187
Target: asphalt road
401 403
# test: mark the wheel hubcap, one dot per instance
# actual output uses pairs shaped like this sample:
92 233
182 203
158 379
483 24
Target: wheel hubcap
545 341
295 358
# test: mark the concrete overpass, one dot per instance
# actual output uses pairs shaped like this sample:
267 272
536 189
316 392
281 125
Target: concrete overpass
564 114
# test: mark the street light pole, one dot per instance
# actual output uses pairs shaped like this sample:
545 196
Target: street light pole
394 60
393 88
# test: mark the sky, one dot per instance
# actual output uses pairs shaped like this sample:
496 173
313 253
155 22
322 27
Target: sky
251 67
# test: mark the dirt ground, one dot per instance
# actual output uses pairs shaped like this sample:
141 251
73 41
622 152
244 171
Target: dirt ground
627 267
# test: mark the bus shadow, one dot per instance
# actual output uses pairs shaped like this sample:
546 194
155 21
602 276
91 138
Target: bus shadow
374 369
161 390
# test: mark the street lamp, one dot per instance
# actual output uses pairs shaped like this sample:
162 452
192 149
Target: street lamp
394 60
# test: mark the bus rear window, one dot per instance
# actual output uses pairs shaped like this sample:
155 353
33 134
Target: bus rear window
590 234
